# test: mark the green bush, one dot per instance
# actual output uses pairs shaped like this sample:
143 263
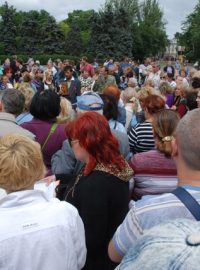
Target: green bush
42 58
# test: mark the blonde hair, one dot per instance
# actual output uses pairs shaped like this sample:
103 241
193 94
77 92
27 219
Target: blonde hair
145 92
27 91
165 88
21 162
66 112
47 73
149 83
128 94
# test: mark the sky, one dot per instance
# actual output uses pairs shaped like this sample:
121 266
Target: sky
175 11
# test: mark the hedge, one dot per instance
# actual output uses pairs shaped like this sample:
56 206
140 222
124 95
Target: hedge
42 58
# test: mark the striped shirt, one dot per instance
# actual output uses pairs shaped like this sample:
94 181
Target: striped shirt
141 138
154 173
147 213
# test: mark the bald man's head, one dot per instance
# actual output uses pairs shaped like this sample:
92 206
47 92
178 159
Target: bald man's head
188 139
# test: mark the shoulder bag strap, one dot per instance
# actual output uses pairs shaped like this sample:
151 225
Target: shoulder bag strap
189 201
51 132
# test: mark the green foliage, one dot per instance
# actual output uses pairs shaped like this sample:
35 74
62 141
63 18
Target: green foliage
8 28
74 41
120 28
128 28
110 33
190 38
42 58
64 26
80 18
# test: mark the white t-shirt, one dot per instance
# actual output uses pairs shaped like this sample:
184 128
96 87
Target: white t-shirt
39 234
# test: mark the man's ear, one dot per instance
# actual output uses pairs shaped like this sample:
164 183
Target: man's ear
174 148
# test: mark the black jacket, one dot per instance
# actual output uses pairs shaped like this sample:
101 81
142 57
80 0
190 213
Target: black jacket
102 201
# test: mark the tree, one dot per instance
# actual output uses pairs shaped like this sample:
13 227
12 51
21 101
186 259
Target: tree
82 20
8 29
110 33
30 34
128 27
51 35
151 28
190 38
74 41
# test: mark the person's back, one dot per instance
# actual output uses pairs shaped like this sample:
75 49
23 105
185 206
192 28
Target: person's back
45 107
153 210
172 245
155 171
39 234
35 232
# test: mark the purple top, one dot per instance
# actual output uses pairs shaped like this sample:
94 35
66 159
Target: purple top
169 100
41 130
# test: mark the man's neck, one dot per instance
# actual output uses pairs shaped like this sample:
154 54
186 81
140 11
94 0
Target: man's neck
187 176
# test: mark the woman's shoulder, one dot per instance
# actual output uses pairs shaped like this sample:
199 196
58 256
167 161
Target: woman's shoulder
144 125
151 159
103 177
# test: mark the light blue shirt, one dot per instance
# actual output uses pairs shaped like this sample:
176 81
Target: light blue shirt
149 212
23 118
114 124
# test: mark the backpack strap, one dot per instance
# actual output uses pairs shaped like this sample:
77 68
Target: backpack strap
115 125
51 132
189 201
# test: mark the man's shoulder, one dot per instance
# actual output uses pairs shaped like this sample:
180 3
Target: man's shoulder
149 201
156 202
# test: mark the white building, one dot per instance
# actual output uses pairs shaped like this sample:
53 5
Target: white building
172 48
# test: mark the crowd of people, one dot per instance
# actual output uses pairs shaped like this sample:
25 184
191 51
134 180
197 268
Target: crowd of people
92 158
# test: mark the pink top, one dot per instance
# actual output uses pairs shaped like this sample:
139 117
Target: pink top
154 173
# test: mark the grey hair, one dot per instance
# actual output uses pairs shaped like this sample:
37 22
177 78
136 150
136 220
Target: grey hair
188 139
13 101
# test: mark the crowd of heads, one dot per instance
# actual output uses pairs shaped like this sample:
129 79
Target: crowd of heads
91 102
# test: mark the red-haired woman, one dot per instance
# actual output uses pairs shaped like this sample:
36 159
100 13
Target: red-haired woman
101 191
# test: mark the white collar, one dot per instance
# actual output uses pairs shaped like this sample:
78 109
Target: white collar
24 197
72 79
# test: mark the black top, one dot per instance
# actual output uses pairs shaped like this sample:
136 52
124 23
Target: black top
102 201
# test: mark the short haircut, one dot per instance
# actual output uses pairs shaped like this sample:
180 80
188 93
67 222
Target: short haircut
196 82
85 58
13 101
27 91
21 162
170 75
191 97
164 125
128 94
165 88
153 103
112 90
67 68
145 92
188 139
45 105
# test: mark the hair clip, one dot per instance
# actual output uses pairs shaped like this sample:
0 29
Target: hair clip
167 139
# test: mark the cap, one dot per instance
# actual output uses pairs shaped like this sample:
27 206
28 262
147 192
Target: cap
89 101
173 245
